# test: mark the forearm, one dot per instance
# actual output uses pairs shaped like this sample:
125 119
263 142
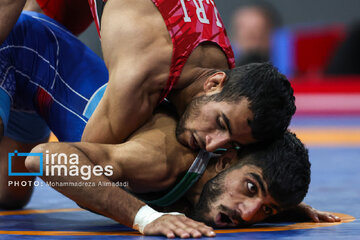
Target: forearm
112 202
9 13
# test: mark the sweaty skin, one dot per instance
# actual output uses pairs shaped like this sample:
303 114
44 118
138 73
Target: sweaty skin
167 225
105 200
139 70
147 165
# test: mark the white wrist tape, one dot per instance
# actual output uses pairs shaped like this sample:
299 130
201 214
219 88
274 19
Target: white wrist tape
147 215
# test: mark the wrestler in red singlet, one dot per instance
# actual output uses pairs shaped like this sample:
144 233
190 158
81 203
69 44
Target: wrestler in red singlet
189 23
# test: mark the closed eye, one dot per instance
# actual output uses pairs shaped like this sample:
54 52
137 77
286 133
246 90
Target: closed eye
220 124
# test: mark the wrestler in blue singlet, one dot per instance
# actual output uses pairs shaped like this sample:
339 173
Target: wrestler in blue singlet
47 74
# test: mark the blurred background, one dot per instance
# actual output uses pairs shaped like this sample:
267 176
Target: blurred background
294 12
316 44
330 20
285 13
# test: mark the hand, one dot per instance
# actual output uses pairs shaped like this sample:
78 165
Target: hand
178 225
316 215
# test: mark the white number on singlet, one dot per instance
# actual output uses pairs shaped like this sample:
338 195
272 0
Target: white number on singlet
200 12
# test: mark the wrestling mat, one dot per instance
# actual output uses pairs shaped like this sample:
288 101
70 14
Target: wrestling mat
334 146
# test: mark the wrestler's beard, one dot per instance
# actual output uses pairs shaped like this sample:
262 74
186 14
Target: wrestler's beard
192 111
212 190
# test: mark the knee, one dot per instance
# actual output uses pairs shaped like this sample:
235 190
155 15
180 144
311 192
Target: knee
32 164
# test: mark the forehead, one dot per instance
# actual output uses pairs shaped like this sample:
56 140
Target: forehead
246 170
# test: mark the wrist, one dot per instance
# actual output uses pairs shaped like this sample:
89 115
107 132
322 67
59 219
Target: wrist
147 215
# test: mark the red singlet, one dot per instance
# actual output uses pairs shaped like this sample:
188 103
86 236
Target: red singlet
189 22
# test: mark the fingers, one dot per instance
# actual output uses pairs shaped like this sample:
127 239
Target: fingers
319 216
337 219
185 228
181 226
168 233
328 217
203 228
315 218
186 232
312 213
188 228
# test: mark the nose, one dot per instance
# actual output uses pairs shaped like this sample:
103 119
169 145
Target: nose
249 209
216 140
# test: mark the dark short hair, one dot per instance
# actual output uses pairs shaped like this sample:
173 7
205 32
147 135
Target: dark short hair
285 168
270 94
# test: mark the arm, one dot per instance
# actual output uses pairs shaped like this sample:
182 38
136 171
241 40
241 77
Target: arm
9 13
105 199
138 57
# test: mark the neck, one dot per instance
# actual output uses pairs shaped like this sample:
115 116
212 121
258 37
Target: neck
180 98
194 192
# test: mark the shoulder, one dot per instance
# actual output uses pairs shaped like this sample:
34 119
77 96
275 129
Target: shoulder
136 44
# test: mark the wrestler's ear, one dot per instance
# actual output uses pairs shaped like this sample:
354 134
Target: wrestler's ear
226 160
215 82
